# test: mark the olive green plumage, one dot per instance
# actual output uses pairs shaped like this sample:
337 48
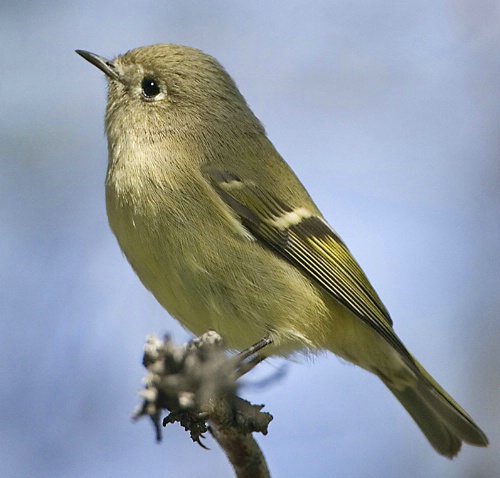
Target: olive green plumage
218 227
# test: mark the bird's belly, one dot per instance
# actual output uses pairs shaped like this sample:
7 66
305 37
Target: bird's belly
238 288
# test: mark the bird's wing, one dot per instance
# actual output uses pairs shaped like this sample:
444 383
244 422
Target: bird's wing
308 242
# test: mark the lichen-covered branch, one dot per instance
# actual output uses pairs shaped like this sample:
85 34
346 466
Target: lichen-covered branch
197 383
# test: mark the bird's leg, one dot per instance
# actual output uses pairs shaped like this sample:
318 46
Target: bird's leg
249 358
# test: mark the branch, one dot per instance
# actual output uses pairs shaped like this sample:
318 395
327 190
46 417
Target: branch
196 383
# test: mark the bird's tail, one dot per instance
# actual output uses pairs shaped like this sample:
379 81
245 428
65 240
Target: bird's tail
445 424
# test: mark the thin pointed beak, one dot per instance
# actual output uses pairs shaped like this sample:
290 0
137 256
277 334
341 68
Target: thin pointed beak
102 63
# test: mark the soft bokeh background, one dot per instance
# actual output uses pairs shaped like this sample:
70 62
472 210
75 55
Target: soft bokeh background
388 111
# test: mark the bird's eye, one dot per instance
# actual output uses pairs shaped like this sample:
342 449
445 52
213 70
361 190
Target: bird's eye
150 88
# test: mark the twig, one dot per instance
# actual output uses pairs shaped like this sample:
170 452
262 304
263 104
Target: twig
196 383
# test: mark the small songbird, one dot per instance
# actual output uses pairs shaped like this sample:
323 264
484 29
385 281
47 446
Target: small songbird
222 232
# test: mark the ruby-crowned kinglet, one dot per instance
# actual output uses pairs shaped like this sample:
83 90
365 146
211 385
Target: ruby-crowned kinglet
218 227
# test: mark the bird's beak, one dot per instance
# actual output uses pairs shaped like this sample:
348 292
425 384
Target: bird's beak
102 63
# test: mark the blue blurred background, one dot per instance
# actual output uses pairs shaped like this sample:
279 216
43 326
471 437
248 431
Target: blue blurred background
390 114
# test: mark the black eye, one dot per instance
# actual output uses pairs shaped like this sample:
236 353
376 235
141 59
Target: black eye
150 87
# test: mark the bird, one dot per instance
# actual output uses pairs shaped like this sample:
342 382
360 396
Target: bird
222 232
